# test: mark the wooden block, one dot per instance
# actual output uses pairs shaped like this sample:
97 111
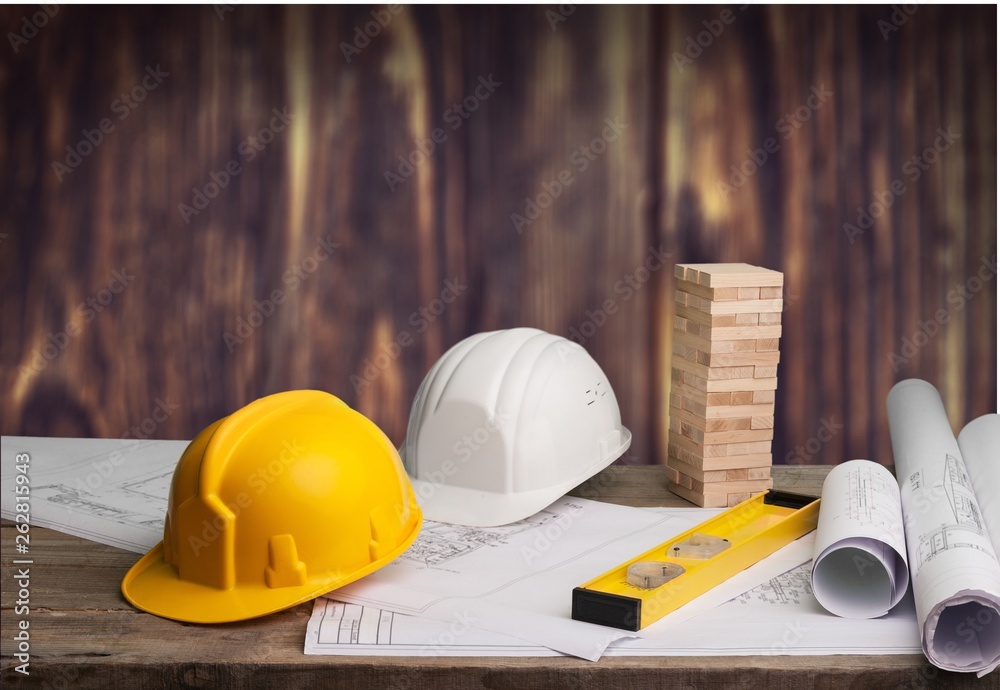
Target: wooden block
706 457
763 461
690 353
692 406
733 500
731 437
727 411
691 395
733 275
706 319
768 319
736 359
699 383
700 422
747 293
713 373
680 271
768 344
698 450
742 385
755 486
719 398
763 306
712 333
691 287
742 333
763 397
677 401
705 438
767 372
770 293
758 473
706 345
743 319
733 475
742 398
695 473
766 422
711 501
751 448
678 477
681 298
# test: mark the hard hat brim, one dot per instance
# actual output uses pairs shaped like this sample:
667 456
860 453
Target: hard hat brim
474 508
154 586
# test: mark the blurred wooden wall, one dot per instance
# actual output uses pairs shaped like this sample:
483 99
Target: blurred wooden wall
562 75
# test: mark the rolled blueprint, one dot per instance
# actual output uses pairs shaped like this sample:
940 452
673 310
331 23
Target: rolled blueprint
859 568
979 442
956 574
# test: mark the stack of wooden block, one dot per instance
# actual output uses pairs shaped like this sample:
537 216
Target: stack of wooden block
724 374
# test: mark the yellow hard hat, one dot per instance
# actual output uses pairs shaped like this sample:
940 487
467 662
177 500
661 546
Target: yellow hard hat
290 497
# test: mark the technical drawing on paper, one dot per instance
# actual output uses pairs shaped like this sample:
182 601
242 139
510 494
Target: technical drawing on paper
125 503
789 588
968 530
958 488
155 487
440 543
342 623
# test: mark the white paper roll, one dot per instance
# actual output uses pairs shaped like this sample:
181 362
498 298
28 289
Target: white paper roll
956 574
859 568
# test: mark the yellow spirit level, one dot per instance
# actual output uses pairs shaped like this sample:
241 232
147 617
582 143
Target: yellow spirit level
646 588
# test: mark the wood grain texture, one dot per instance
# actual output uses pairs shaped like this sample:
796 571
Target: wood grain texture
601 104
85 635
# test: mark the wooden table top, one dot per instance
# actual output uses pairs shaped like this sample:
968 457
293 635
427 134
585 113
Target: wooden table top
85 635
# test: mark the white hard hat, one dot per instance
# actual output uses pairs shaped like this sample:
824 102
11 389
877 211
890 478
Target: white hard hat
507 422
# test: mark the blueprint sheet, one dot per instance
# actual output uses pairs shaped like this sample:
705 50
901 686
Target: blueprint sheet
107 490
778 617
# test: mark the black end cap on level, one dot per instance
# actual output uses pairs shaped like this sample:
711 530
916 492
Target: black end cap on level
612 610
787 499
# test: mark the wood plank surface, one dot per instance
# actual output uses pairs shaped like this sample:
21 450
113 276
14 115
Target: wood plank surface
609 130
85 635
